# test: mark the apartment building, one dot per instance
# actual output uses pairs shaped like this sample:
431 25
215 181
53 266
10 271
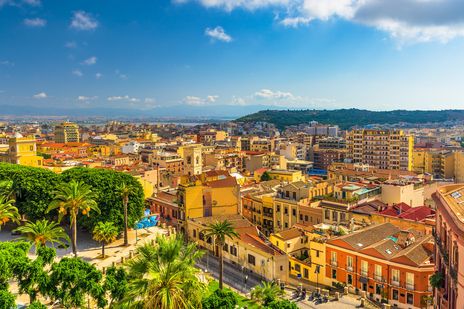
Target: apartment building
384 149
22 150
449 249
67 132
387 263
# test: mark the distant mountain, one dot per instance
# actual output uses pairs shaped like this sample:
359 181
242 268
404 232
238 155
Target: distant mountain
347 118
179 111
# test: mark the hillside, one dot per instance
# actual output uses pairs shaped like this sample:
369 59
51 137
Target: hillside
347 118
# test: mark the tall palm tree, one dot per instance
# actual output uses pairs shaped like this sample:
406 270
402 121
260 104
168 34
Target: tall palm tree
105 232
219 231
266 293
164 276
8 212
71 198
43 231
125 190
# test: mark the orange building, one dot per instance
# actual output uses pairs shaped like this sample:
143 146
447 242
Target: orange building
387 263
449 235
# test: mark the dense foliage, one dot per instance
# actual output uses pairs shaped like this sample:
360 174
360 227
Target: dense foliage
105 184
33 191
347 118
32 188
220 299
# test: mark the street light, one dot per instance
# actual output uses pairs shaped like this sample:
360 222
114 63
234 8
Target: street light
246 279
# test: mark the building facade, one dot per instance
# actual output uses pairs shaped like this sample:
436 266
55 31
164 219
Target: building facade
67 132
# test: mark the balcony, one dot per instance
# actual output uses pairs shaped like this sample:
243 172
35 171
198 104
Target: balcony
334 263
349 268
410 286
395 283
364 273
378 278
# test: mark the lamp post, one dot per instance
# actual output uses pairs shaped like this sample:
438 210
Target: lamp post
246 279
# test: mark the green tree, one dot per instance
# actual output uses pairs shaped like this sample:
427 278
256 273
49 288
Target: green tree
105 184
73 282
125 191
36 305
42 232
6 188
8 212
7 300
220 299
116 284
72 198
13 255
281 304
105 232
219 231
32 188
164 276
266 293
265 176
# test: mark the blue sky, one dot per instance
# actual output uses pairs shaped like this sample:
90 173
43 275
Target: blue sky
372 54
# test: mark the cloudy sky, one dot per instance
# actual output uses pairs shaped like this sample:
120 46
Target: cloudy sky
373 54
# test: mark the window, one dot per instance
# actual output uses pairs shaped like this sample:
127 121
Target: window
327 214
201 236
286 211
333 257
233 250
225 248
410 281
349 263
349 279
305 273
294 195
317 253
364 268
251 259
378 289
395 294
410 298
286 225
278 208
378 272
334 274
335 216
395 275
301 217
194 233
306 218
297 267
342 217
294 212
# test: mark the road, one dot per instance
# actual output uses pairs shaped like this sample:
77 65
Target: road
234 276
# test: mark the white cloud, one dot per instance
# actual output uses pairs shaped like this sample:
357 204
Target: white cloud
120 75
90 61
218 33
98 75
20 2
35 22
123 98
404 20
40 95
33 2
7 63
83 21
70 44
274 95
86 98
197 101
238 101
77 72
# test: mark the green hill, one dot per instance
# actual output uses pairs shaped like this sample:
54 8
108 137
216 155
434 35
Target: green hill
347 118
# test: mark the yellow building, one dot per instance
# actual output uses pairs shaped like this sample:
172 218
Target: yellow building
286 175
23 151
385 149
305 248
67 132
440 163
249 251
212 193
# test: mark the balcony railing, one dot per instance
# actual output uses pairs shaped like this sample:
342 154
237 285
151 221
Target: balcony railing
410 286
395 283
334 263
349 268
378 278
364 273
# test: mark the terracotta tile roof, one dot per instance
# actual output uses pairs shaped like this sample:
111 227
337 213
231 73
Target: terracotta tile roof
290 234
223 183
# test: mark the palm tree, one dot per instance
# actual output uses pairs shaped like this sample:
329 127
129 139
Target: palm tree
125 190
219 231
266 293
105 232
8 212
164 276
71 198
43 231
